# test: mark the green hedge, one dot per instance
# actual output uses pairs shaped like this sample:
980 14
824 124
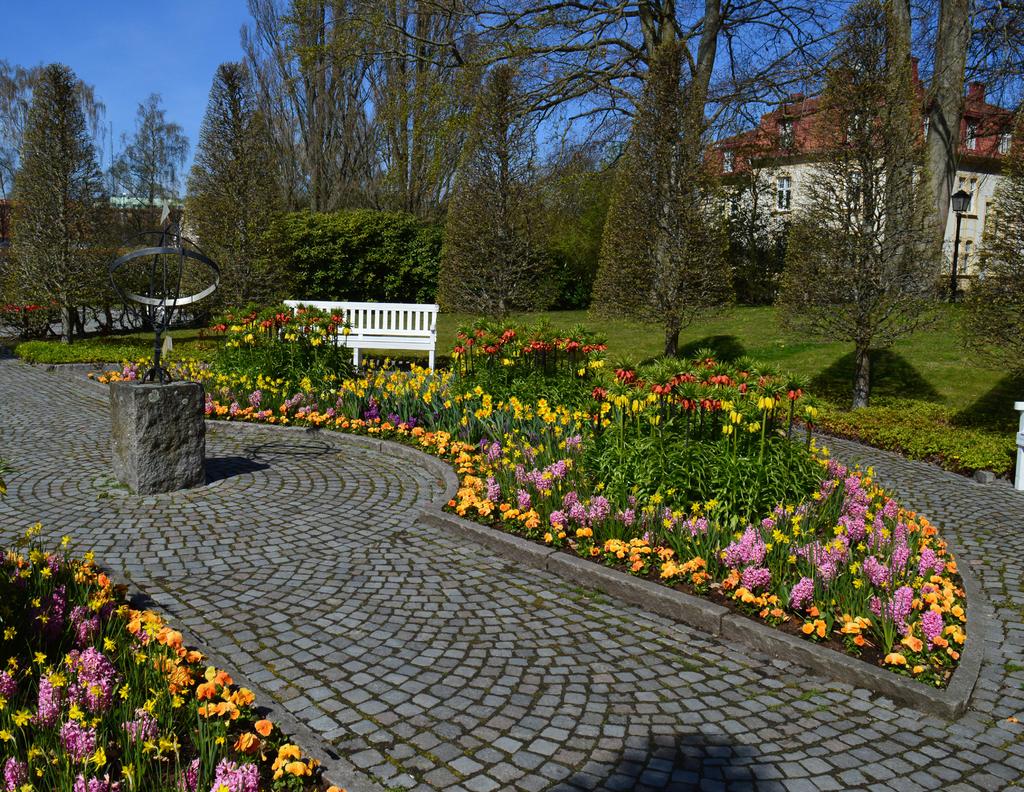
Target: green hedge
356 254
922 430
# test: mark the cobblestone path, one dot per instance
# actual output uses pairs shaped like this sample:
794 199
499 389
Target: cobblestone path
430 664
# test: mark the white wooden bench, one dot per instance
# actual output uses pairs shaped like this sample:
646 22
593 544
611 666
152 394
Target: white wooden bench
381 325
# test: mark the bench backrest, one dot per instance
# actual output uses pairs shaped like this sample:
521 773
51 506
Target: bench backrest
408 320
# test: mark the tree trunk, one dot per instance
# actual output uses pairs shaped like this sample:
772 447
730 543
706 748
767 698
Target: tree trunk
671 338
67 324
861 376
946 104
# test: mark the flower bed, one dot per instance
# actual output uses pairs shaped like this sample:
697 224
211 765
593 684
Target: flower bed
96 696
692 475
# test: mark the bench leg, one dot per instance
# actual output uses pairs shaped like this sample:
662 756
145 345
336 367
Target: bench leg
431 358
355 357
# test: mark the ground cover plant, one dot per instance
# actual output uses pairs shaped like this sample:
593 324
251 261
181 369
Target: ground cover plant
96 696
698 474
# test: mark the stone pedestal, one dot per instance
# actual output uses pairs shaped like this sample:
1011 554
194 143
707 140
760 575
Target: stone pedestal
158 435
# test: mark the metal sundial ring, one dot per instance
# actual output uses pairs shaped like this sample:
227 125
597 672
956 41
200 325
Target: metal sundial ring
169 251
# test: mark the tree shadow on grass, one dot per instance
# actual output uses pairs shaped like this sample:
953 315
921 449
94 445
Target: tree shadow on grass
673 763
727 348
994 409
891 376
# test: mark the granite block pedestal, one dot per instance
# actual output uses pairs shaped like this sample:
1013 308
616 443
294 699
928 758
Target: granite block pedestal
158 435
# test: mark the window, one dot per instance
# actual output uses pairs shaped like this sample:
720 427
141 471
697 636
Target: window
786 134
925 127
968 251
783 193
1004 143
728 161
972 137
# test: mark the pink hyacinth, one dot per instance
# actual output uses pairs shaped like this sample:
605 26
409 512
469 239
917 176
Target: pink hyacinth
51 699
143 728
15 774
493 489
523 500
86 625
8 685
748 551
189 780
930 563
897 609
599 509
756 577
235 777
875 571
95 785
95 679
557 518
932 626
78 740
802 594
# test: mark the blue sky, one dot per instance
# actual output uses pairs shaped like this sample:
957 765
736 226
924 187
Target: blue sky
128 50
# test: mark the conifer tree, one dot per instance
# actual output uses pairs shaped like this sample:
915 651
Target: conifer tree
663 250
493 257
993 318
232 191
58 197
860 265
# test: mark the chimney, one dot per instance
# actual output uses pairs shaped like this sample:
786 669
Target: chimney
976 92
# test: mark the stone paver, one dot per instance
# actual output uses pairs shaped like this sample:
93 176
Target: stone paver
431 664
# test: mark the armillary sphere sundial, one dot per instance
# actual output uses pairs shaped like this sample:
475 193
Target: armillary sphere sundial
158 288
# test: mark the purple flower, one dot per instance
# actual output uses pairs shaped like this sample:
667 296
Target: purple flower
698 525
748 551
897 609
493 489
628 517
8 685
573 443
189 778
494 452
143 728
930 562
95 785
557 518
95 679
900 555
372 413
235 777
15 774
802 593
876 571
255 398
599 509
86 625
523 500
932 626
756 577
51 699
78 740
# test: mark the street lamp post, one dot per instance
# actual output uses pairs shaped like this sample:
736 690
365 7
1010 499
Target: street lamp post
961 201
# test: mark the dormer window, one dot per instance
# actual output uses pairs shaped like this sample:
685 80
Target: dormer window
728 161
786 134
972 137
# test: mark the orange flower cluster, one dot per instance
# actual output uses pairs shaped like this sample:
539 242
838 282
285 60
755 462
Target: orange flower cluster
289 761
